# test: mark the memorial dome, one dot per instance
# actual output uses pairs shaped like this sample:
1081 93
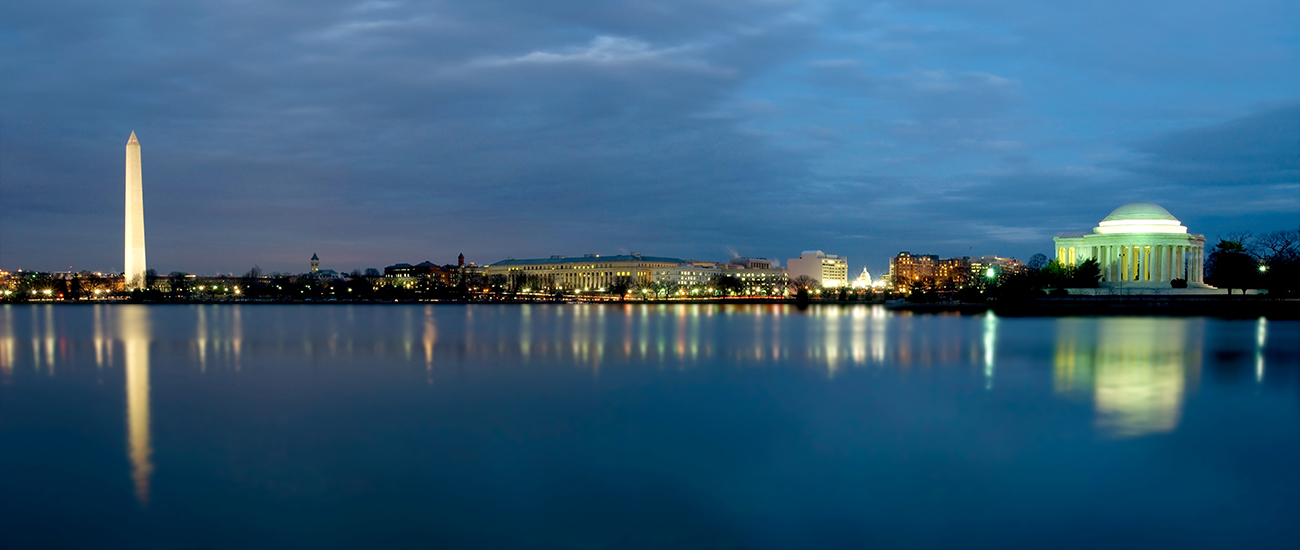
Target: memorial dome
1140 217
1139 242
1140 211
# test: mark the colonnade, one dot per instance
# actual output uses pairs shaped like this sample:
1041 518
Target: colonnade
1159 263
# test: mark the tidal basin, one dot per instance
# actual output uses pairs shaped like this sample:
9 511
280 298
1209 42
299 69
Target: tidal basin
642 426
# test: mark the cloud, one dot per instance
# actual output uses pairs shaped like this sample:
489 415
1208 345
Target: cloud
1259 149
379 132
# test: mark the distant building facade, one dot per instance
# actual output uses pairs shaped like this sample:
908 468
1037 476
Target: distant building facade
829 270
590 272
407 272
756 280
994 267
751 263
319 273
908 271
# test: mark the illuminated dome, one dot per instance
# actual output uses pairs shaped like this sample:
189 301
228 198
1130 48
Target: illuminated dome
1140 211
1138 246
1140 217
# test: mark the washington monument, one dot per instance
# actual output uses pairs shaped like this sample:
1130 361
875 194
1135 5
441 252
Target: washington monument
135 270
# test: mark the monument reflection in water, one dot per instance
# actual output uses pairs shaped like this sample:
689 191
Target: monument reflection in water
1137 370
133 326
872 383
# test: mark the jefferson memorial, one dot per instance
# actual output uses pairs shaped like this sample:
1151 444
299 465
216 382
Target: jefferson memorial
1139 245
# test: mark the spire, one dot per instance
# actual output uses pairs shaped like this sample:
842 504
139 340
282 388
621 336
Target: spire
313 256
132 139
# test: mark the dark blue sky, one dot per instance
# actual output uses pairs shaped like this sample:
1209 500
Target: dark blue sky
373 133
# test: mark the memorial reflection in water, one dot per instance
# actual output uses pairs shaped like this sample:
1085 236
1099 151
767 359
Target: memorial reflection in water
1136 372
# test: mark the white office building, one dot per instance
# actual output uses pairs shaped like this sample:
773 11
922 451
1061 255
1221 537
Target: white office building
829 270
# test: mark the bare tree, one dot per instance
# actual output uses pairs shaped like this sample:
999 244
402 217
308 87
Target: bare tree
804 282
1279 245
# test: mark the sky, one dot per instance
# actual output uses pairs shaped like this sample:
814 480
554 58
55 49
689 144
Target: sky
374 132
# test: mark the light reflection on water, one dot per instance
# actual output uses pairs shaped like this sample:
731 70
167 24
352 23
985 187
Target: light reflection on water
1137 370
135 334
1136 375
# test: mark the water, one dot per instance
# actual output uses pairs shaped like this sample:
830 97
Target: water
588 426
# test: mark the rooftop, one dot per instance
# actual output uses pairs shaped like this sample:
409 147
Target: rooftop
590 259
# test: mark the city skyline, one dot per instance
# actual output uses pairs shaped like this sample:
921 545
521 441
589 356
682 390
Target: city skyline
375 133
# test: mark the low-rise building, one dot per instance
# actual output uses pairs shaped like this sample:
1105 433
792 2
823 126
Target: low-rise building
590 272
753 281
994 267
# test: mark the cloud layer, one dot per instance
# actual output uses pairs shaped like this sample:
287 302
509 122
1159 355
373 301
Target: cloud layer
378 132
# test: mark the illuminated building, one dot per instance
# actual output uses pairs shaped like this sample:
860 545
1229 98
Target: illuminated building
319 273
134 233
755 280
863 280
590 272
909 270
1139 244
829 270
417 270
751 263
993 267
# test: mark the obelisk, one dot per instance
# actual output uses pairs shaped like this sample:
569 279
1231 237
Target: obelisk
135 269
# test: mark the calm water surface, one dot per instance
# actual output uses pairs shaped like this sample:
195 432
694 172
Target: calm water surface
589 426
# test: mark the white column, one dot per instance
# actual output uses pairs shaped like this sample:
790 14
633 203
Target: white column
1170 256
1120 258
1157 255
1198 264
1173 262
1126 255
1164 262
1159 251
1110 263
1144 268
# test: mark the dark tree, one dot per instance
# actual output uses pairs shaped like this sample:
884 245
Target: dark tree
621 286
1086 275
1231 266
1037 262
1279 253
727 285
1054 275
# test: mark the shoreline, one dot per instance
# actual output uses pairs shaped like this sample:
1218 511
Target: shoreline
1237 307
